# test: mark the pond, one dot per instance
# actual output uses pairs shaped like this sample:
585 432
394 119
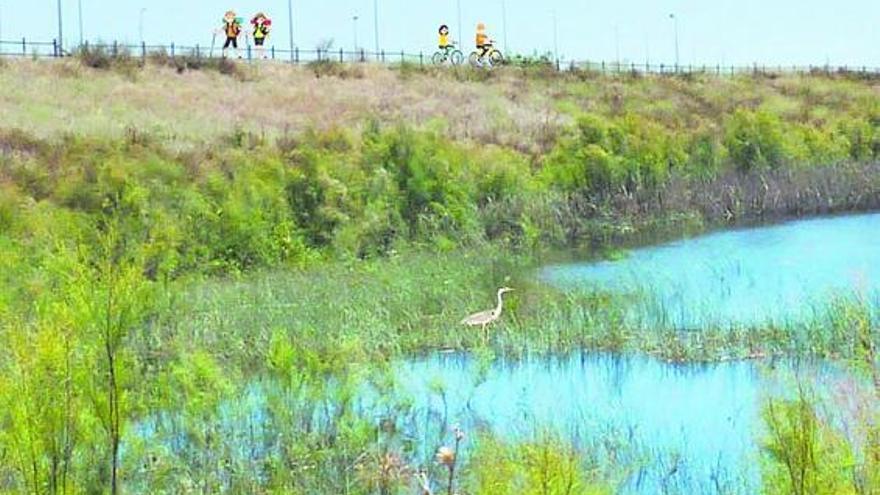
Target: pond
649 426
778 274
652 426
672 427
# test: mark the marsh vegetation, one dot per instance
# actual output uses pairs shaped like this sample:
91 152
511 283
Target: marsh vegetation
204 297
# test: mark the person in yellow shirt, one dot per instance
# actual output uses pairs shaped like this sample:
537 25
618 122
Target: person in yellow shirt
262 25
484 43
445 40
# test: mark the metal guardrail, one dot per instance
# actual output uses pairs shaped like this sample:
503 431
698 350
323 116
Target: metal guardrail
50 49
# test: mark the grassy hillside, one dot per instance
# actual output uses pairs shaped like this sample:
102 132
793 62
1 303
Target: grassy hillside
170 234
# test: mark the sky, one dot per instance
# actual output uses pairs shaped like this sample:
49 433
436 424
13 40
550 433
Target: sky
727 32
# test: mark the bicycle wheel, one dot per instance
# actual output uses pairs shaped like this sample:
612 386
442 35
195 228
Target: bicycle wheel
474 59
497 58
438 58
456 57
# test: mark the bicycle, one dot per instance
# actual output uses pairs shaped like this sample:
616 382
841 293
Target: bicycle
450 54
494 57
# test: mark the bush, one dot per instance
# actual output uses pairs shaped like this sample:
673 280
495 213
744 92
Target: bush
755 140
547 466
331 68
803 456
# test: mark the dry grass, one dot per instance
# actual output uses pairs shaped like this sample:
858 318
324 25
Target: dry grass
62 97
514 108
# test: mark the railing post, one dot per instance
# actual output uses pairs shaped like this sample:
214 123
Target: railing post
23 47
402 60
341 55
273 52
296 55
421 59
54 48
115 48
172 50
383 56
198 52
143 50
249 52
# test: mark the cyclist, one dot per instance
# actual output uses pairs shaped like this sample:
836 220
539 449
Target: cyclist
446 41
484 43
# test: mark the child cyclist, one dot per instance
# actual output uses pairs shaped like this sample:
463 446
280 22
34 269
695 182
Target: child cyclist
446 42
484 43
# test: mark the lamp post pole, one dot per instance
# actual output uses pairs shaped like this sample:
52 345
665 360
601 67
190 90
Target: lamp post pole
60 31
617 46
376 24
290 25
354 20
141 24
79 8
504 24
460 32
675 23
555 38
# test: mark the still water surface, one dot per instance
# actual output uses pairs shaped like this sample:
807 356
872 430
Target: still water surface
698 422
784 273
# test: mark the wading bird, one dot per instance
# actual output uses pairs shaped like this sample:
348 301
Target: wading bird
484 318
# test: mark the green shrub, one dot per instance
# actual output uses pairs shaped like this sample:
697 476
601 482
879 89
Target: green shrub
755 140
802 455
547 466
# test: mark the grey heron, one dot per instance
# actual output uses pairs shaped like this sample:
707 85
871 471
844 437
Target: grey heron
485 318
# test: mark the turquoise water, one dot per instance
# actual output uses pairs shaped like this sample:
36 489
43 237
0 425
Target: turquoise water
655 427
780 274
650 426
640 415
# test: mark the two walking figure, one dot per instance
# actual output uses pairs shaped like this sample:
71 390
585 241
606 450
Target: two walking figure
232 27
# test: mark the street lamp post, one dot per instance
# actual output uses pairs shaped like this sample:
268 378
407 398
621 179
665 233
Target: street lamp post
141 24
60 31
79 8
355 22
675 23
555 38
376 24
290 25
504 24
460 32
617 46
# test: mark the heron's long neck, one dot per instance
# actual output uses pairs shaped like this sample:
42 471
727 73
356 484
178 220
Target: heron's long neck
500 303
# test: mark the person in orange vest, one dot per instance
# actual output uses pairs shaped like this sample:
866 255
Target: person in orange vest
231 29
484 43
